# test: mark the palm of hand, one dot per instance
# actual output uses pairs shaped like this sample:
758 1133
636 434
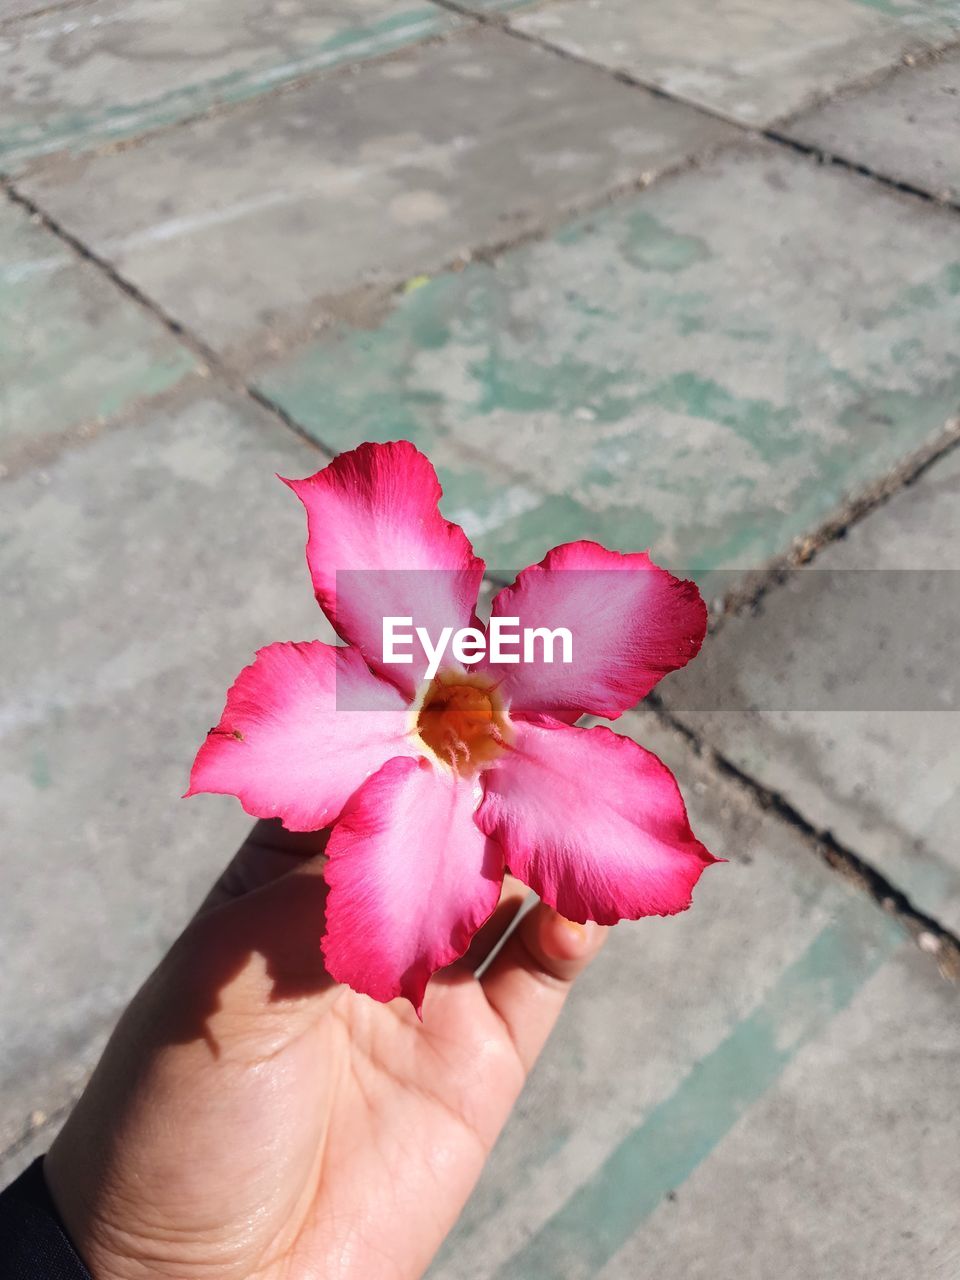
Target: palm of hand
250 1120
404 1129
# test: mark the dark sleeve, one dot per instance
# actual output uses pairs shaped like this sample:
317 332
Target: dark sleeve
34 1244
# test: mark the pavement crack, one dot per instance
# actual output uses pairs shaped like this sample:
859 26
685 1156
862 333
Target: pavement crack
823 156
771 133
929 934
210 363
42 10
83 251
342 70
278 411
754 586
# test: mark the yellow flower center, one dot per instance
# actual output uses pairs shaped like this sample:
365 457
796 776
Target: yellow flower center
461 720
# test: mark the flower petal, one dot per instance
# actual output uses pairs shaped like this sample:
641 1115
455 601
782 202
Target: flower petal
375 510
284 749
411 880
593 822
631 622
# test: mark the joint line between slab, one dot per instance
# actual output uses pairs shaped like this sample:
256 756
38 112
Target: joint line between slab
928 933
662 1152
807 547
771 133
782 139
211 361
221 368
103 142
43 9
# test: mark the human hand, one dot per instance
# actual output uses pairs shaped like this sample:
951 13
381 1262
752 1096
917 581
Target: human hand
251 1120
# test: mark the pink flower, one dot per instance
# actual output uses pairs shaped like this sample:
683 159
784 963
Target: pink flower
434 788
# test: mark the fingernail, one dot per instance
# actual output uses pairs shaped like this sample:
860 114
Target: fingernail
565 939
579 931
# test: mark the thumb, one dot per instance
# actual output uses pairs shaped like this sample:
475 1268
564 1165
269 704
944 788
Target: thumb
251 968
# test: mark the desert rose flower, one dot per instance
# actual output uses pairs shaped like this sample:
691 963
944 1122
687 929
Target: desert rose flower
435 787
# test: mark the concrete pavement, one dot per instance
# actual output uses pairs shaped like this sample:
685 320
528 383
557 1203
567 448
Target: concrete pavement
589 256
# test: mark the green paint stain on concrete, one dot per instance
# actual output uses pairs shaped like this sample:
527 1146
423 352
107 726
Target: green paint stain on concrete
652 377
78 130
889 7
72 350
40 770
758 421
914 11
895 410
931 294
654 247
690 324
499 6
568 387
678 1135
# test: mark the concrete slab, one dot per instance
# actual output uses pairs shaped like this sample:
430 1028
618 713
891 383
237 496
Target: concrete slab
275 209
496 6
73 349
60 1083
140 574
101 72
850 1166
754 63
678 1029
37 1143
906 128
706 368
779 693
18 8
